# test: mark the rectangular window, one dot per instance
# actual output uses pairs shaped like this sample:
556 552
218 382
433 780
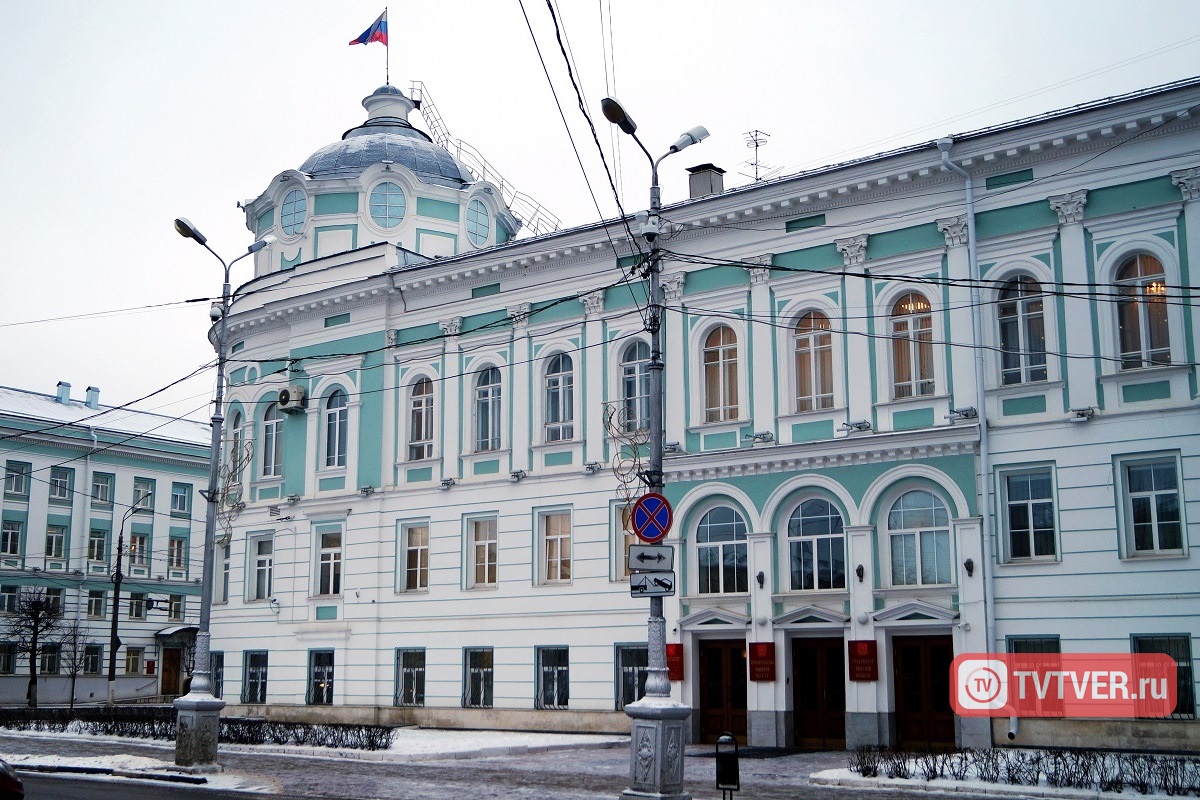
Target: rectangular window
254 677
139 549
1029 514
133 660
556 547
410 678
420 421
477 677
97 601
143 494
554 678
11 536
330 563
1152 506
223 584
16 478
264 561
8 598
51 656
8 658
54 600
930 560
416 557
177 553
1178 647
102 489
61 479
137 605
623 539
632 663
93 659
181 499
483 551
216 673
176 605
97 545
56 541
320 678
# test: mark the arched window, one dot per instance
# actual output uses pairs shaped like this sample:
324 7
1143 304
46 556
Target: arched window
420 420
234 465
560 399
294 212
336 424
272 442
912 347
478 224
721 552
919 536
1022 332
635 386
387 204
487 410
814 362
817 546
1142 329
720 375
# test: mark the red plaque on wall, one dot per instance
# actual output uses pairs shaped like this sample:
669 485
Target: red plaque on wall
762 661
864 660
675 662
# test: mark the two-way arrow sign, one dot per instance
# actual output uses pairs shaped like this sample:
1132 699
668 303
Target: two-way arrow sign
651 558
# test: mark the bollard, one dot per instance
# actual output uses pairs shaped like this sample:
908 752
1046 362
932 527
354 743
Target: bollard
728 777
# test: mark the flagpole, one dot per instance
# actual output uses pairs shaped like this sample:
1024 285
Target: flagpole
387 57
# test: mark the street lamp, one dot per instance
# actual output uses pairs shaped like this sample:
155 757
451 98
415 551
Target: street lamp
114 641
199 724
656 745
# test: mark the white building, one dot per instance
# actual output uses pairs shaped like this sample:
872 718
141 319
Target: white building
72 471
432 528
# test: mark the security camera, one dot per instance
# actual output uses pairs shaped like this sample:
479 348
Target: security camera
215 312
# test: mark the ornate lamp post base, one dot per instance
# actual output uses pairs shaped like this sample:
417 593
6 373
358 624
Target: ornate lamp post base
199 723
656 750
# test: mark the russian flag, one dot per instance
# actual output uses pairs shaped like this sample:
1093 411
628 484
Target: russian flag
376 33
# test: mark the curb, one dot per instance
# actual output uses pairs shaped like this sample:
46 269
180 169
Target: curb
384 756
944 786
168 777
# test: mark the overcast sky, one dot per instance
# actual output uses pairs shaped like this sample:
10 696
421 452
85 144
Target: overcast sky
117 117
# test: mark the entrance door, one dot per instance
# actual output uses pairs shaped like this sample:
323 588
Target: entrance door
922 684
819 693
171 659
722 688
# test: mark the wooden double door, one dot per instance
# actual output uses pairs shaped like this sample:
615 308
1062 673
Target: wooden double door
921 674
819 693
723 681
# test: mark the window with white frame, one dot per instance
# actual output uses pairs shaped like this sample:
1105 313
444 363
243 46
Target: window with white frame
102 489
721 552
1178 647
329 562
720 375
137 605
16 478
96 602
139 549
387 204
8 658
224 555
60 484
293 212
487 410
813 345
635 387
556 546
1143 332
143 494
481 533
8 598
134 660
817 546
272 442
912 347
416 557
54 600
263 549
51 658
12 533
93 659
177 552
1152 505
254 676
633 663
477 677
554 678
337 421
236 447
919 538
56 541
623 538
1029 514
410 677
176 605
181 499
1022 332
420 420
97 545
559 398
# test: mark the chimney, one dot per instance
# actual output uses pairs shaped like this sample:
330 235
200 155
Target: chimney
704 180
64 392
93 397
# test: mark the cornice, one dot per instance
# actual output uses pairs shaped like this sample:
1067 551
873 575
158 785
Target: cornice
291 312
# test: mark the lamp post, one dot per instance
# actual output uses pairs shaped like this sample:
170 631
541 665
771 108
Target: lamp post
114 642
656 744
199 711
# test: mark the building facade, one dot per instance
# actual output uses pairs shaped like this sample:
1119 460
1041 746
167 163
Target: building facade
81 479
900 426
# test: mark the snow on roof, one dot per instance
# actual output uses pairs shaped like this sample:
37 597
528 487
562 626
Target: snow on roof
46 408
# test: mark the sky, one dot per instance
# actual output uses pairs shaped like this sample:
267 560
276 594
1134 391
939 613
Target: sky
117 116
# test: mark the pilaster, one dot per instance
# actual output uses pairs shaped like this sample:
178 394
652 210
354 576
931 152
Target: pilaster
675 372
962 359
1078 307
762 378
522 394
860 399
762 729
1188 181
452 412
591 378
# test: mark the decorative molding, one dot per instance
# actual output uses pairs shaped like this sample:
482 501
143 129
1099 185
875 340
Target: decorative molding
853 249
672 285
1069 206
452 326
593 302
954 229
391 334
1188 181
519 314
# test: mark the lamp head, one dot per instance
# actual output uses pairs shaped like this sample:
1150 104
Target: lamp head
690 137
189 231
615 113
260 244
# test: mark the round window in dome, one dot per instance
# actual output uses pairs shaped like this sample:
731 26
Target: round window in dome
477 223
293 213
387 205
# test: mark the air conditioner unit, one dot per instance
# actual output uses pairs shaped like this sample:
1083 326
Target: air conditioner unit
292 400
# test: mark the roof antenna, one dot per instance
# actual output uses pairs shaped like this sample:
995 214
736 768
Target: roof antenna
762 172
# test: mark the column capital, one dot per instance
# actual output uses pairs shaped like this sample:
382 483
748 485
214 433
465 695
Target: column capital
853 249
1069 206
391 333
593 302
954 229
452 326
672 285
759 267
1188 181
519 314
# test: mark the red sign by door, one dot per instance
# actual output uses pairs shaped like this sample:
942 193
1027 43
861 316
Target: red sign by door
675 662
762 661
864 660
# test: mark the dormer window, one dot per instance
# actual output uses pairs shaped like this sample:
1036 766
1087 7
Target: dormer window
387 205
294 212
478 224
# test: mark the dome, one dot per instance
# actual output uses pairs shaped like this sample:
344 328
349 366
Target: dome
387 136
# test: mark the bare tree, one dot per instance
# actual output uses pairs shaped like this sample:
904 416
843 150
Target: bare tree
74 651
32 625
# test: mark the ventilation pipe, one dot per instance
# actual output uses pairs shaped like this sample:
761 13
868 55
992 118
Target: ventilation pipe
705 180
93 398
64 393
1014 726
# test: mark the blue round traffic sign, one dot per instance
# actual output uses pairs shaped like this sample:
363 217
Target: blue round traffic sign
652 517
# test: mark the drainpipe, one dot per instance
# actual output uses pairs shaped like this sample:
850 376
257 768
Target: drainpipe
985 454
